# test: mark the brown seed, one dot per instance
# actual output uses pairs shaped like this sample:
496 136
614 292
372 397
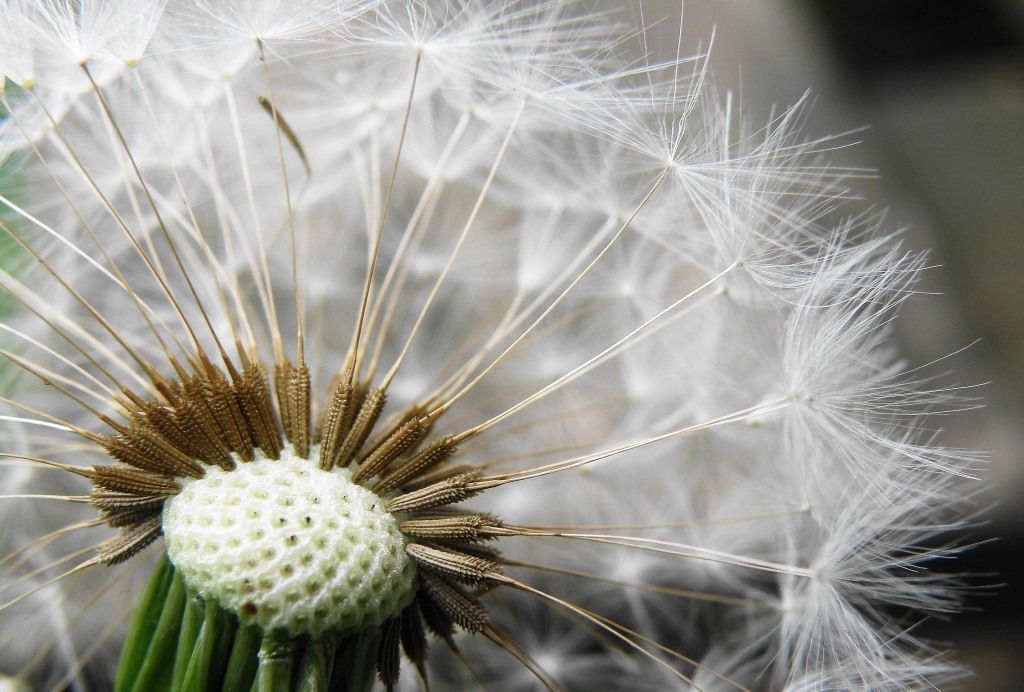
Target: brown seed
253 396
282 378
435 454
132 449
221 400
298 405
446 492
414 640
389 659
460 528
456 605
336 419
127 480
164 420
105 499
130 542
369 413
200 424
130 518
469 569
387 450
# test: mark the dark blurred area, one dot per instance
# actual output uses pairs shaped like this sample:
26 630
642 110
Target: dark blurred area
943 85
933 93
875 40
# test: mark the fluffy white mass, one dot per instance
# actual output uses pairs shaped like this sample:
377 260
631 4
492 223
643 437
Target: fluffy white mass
669 327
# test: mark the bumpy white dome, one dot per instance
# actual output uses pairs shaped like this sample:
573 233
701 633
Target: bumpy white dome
287 546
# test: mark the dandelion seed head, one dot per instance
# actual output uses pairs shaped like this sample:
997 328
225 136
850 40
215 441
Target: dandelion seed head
590 379
255 542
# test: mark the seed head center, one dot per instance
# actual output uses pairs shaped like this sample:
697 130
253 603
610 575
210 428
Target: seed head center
288 546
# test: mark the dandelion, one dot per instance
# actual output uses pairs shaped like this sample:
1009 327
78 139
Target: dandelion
355 342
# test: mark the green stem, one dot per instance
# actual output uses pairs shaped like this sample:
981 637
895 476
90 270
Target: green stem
277 658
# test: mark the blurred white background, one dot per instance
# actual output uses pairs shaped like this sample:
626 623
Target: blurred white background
939 89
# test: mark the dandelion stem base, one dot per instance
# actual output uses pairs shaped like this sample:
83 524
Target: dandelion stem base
177 641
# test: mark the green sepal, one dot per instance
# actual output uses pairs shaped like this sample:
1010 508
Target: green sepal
177 642
145 621
156 669
209 656
314 671
355 662
243 660
191 624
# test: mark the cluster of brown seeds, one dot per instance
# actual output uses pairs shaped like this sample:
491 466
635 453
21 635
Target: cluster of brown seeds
207 417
